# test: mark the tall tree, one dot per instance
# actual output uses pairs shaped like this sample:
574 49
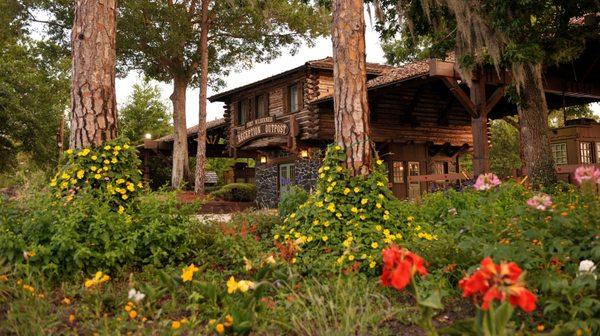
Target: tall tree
519 36
203 79
351 110
144 112
161 38
93 99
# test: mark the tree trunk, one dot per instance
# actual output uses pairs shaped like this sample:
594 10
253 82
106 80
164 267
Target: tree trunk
93 100
351 110
181 168
533 116
201 153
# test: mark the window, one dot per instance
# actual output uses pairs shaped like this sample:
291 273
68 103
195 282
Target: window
293 98
261 107
398 172
585 152
597 151
559 152
243 111
286 176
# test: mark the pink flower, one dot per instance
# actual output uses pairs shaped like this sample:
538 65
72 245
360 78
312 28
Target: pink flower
587 173
540 201
486 181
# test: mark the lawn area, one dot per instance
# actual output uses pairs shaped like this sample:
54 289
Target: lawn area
83 263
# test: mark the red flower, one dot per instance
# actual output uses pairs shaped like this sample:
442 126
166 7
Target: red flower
399 265
498 282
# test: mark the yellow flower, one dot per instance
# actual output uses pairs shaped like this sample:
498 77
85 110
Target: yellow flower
247 264
124 197
378 205
326 223
410 218
84 152
66 301
187 273
380 184
276 237
228 321
337 148
372 264
220 328
354 210
71 318
130 187
244 285
175 325
356 189
386 217
107 147
128 308
65 176
121 209
362 217
69 151
232 285
351 257
325 238
106 162
93 168
319 204
379 162
80 174
98 279
338 215
364 201
293 215
94 157
338 169
322 175
374 245
331 207
380 196
125 146
346 191
329 189
140 185
133 314
117 148
326 168
316 222
114 160
53 183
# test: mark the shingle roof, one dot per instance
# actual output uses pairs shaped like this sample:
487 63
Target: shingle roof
194 129
324 63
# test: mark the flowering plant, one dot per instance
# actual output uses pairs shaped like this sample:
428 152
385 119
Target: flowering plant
111 169
587 177
540 201
486 181
347 220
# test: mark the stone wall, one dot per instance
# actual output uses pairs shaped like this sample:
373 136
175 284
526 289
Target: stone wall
266 186
306 173
266 179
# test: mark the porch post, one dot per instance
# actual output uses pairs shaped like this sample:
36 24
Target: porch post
479 128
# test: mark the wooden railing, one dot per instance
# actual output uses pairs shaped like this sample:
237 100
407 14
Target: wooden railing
439 177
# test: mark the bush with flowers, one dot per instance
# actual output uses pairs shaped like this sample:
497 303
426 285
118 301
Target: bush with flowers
347 220
111 169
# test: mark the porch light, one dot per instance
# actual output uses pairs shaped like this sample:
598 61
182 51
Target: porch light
304 153
148 136
263 159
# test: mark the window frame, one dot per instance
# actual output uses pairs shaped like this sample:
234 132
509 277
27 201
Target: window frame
241 114
264 105
289 96
554 150
590 155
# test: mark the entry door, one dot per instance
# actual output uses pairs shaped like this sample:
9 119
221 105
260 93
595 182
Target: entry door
414 188
286 176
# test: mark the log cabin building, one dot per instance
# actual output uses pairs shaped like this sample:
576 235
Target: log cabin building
423 117
575 144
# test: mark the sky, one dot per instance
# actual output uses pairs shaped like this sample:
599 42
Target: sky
321 49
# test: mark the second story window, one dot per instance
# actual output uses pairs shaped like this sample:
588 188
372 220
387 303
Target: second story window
559 152
585 152
292 96
243 111
261 106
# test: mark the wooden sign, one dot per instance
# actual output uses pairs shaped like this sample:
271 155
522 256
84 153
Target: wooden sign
259 121
261 130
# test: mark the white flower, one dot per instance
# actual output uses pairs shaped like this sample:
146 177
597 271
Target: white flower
587 266
452 211
135 295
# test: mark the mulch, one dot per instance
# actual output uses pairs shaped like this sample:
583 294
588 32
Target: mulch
214 206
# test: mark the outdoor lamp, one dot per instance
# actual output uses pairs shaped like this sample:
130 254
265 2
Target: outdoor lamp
148 136
304 153
263 159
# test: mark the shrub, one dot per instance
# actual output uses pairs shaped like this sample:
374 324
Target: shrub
111 169
236 192
348 220
86 234
291 199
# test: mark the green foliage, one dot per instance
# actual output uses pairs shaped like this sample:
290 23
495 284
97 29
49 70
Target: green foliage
557 117
348 220
34 92
144 112
87 235
236 192
291 199
110 171
505 153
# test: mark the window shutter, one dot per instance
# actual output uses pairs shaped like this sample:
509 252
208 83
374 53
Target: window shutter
266 99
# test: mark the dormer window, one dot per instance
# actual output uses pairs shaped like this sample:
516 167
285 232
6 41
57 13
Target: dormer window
292 96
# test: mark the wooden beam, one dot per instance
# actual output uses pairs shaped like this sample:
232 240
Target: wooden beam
494 99
460 95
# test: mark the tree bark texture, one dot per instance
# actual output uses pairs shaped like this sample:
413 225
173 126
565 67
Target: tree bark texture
533 115
481 148
201 153
93 100
181 168
351 110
